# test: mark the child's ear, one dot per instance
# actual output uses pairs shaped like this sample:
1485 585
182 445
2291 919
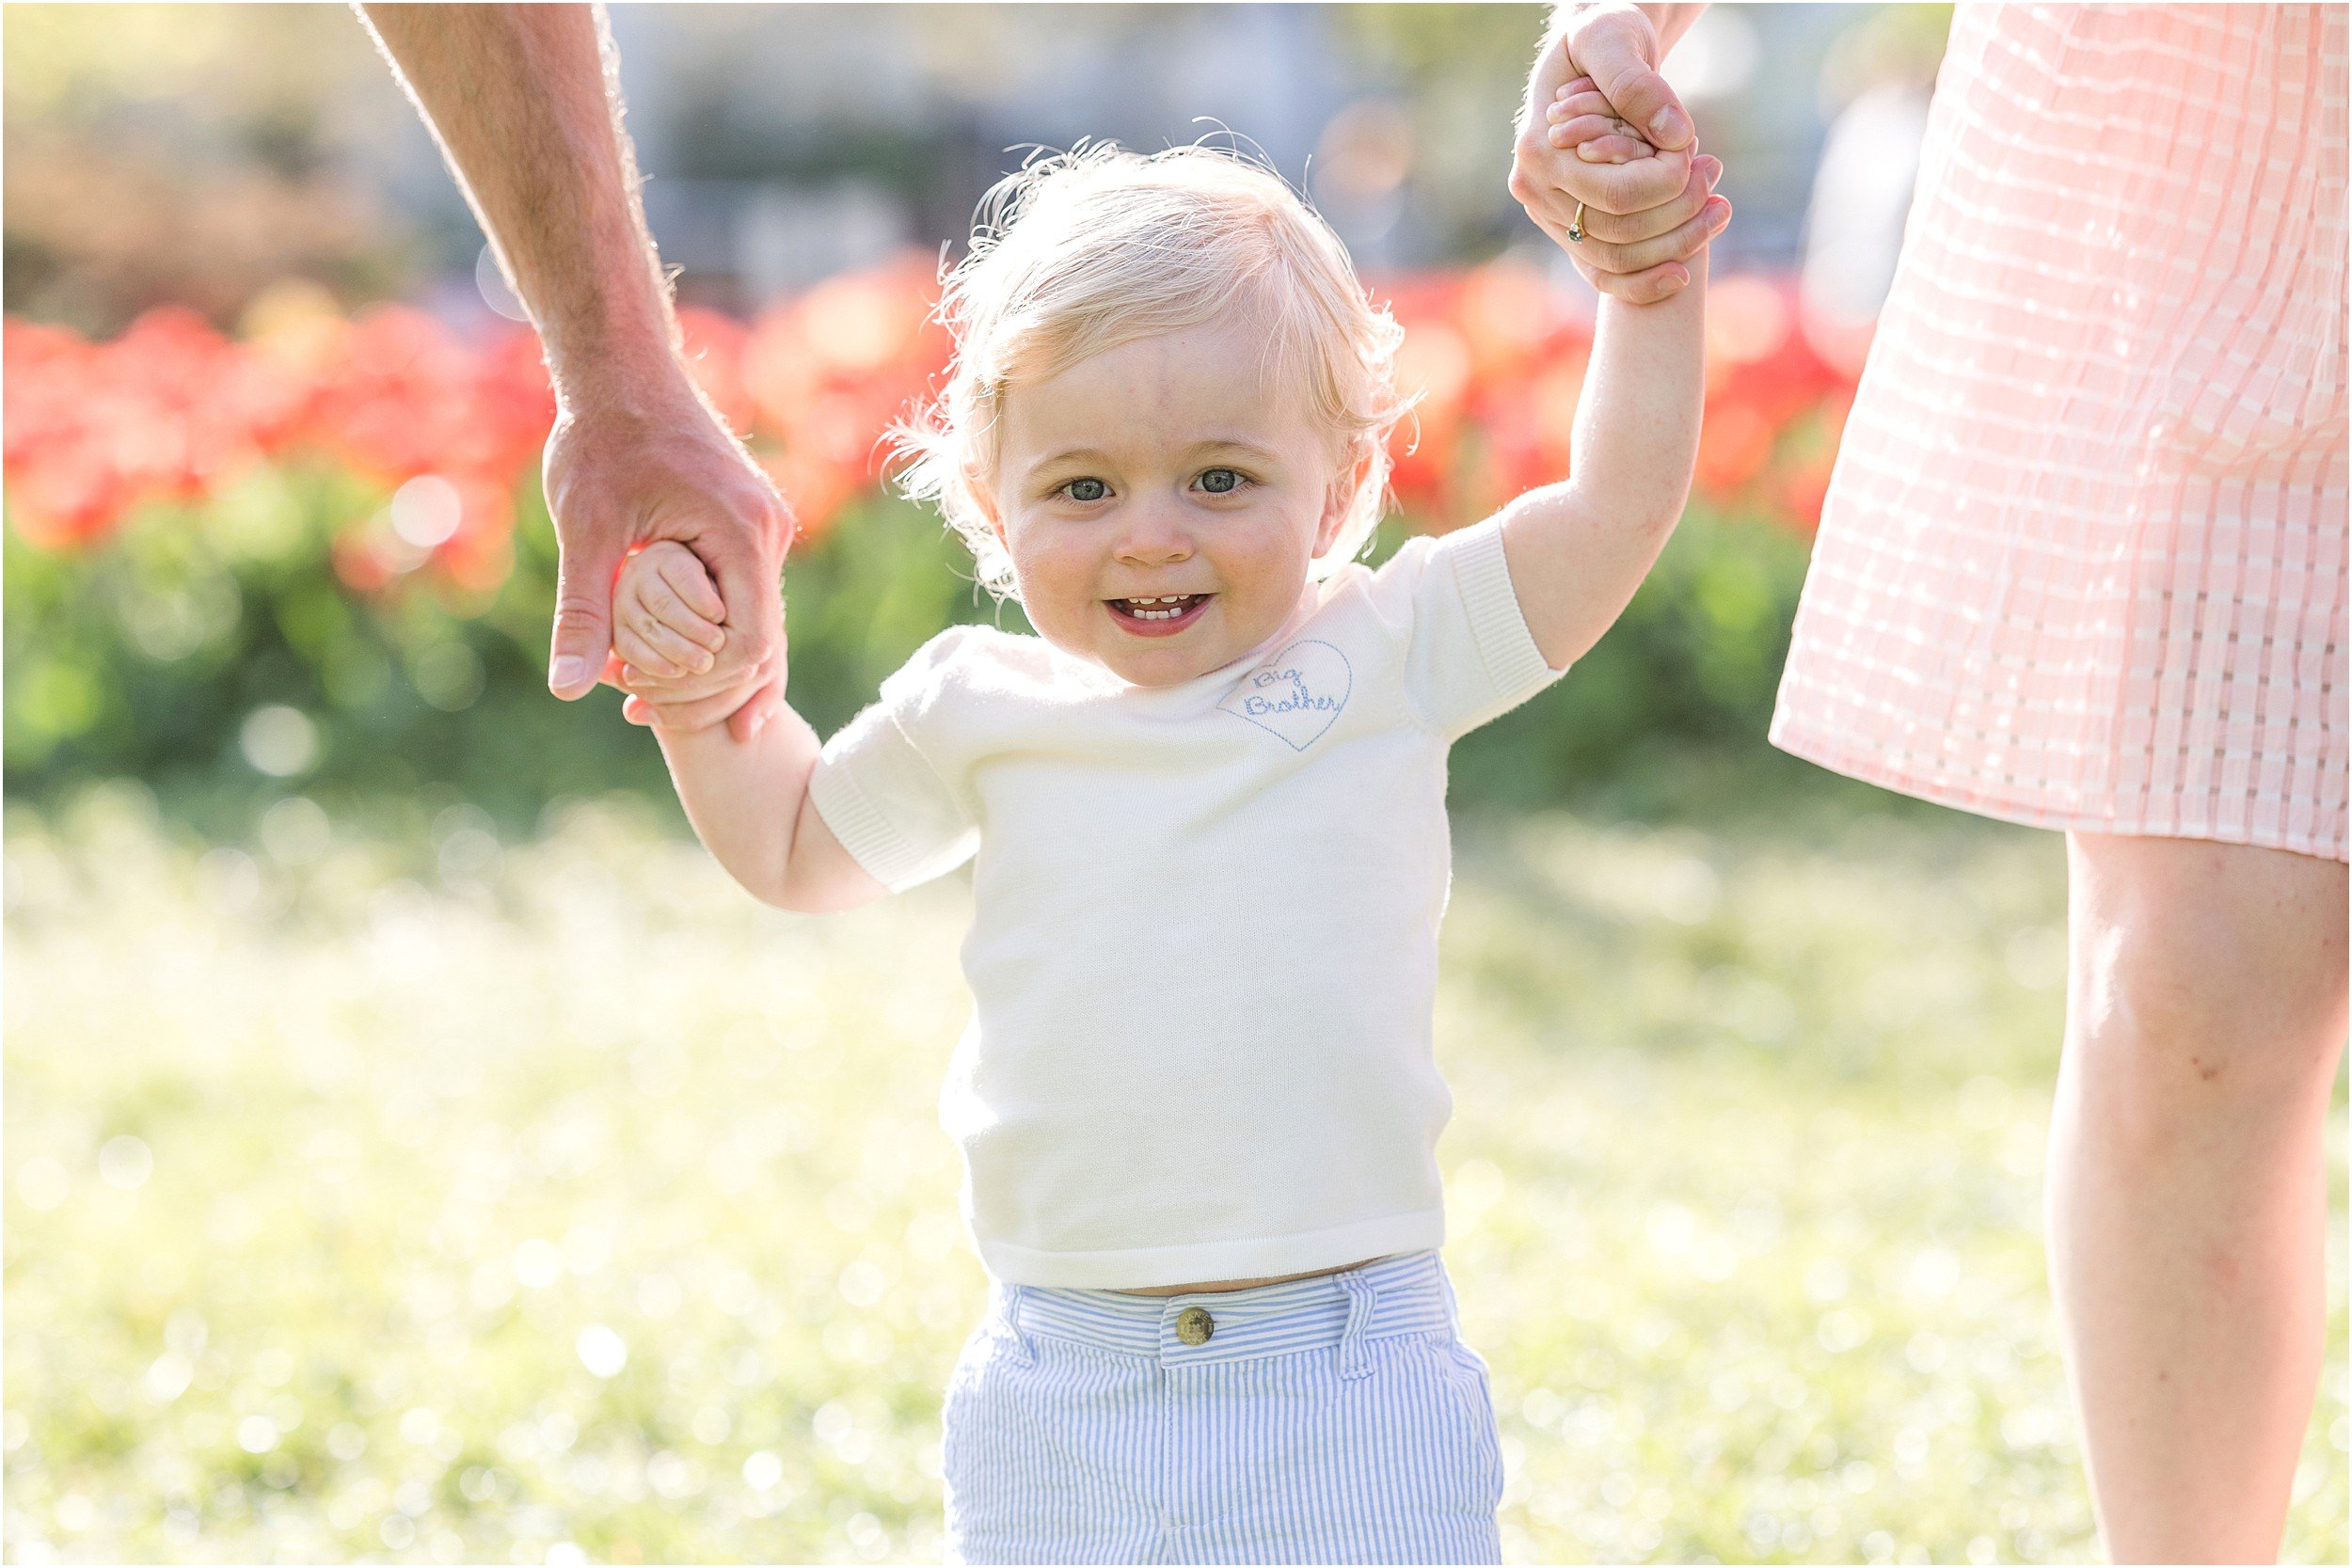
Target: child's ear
1340 499
985 499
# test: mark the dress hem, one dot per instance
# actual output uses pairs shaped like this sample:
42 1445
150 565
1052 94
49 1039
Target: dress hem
1871 769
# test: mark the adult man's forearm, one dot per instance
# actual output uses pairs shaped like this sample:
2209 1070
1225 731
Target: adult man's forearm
525 102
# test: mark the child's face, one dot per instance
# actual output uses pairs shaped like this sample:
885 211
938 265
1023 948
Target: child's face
1163 470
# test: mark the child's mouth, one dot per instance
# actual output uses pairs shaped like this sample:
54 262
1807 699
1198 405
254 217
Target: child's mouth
1161 616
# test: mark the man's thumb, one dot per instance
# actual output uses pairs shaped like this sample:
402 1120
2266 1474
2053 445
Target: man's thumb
583 617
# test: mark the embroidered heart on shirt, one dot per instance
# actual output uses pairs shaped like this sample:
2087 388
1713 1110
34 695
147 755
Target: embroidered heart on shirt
1297 694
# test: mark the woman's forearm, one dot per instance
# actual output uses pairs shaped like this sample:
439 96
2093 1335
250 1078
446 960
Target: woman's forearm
525 102
744 797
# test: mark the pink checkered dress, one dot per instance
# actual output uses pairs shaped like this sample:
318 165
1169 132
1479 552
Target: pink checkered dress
2082 563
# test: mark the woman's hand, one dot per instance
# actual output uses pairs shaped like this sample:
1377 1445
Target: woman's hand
1627 157
1621 247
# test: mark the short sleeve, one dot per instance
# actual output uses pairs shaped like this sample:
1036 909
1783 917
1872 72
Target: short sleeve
1471 656
882 796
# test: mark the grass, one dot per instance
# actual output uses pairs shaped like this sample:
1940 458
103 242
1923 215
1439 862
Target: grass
443 1199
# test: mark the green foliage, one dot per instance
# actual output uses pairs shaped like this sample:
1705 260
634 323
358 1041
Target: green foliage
1692 663
149 657
440 1198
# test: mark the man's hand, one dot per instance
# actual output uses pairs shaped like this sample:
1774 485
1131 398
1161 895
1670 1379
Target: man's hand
1635 191
655 464
524 100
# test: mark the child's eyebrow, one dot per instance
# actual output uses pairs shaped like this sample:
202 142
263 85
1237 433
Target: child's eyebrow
1198 449
1069 454
1227 443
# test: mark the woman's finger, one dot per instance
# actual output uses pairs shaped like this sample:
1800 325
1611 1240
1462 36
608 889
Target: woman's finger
1560 179
1632 228
1640 287
1680 243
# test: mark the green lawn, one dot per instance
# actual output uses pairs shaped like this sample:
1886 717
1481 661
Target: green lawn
435 1201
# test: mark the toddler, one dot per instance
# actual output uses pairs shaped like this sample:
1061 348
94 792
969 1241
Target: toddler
1205 806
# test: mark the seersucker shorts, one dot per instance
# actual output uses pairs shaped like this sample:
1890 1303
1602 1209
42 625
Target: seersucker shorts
1333 1420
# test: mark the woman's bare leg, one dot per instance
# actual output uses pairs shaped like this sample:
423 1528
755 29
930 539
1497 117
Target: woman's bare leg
2187 1204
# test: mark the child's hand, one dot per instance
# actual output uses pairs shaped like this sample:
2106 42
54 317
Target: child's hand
666 618
1584 122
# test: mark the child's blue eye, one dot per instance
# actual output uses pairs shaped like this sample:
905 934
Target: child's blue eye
1218 481
1086 490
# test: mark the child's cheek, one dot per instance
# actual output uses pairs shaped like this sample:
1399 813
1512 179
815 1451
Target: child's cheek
1056 578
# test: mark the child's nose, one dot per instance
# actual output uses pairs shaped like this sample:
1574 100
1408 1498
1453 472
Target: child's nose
1154 534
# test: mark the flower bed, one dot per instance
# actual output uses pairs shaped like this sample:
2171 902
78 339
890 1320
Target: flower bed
174 411
341 515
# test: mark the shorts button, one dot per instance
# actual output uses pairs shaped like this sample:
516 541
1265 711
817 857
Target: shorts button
1194 1325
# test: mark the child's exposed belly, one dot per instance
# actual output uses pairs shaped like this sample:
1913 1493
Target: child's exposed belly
1246 1284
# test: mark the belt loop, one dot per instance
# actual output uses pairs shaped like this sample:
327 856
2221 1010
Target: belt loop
1354 1362
1014 1297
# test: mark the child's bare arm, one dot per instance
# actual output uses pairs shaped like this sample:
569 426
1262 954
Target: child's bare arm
748 800
1578 549
749 805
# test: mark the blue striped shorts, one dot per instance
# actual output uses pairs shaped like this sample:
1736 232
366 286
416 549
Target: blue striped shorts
1333 1420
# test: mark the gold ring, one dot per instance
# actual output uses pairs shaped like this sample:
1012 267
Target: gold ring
1576 226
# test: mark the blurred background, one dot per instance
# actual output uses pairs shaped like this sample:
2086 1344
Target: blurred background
273 417
417 1151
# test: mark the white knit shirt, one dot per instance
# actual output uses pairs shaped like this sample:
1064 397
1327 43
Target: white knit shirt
1204 941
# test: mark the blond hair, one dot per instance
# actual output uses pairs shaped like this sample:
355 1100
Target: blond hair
1093 248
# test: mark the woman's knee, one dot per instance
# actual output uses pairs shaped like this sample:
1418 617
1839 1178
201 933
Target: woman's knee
2205 978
